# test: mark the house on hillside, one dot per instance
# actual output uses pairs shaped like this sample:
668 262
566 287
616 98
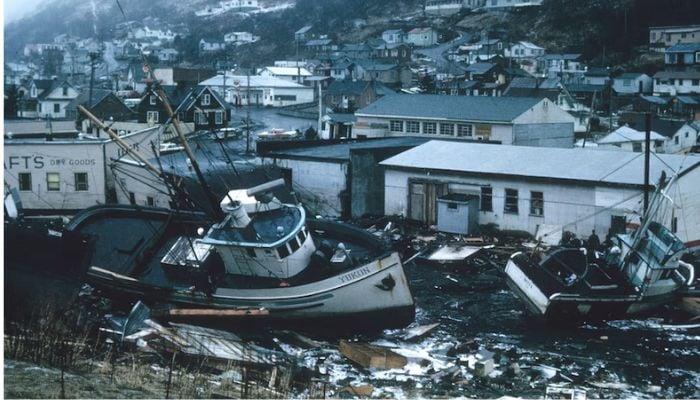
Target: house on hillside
661 37
627 139
506 4
633 83
683 55
422 37
105 105
671 83
206 108
392 75
597 76
151 109
211 45
292 74
510 120
53 101
394 36
565 66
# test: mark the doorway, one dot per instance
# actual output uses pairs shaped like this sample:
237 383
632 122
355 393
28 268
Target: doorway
423 200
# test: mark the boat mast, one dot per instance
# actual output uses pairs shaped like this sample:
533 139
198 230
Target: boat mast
647 156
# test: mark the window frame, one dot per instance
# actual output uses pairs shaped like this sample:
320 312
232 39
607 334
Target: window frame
152 99
20 181
49 182
56 108
482 199
468 127
218 117
393 123
445 124
78 186
536 203
151 113
508 206
429 128
206 99
409 124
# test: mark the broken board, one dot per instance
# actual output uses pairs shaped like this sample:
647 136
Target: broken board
370 356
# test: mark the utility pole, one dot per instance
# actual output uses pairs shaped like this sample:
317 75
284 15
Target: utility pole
647 154
247 116
93 58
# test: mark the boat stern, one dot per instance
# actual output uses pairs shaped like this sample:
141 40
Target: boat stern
523 287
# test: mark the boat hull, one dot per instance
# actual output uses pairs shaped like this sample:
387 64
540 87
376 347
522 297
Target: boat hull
375 295
562 307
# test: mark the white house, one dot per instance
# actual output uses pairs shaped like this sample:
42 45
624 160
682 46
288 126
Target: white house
239 38
677 82
565 66
633 83
524 50
292 74
449 7
53 101
422 37
684 139
67 174
661 37
504 4
211 45
522 188
167 55
263 90
628 139
394 36
521 121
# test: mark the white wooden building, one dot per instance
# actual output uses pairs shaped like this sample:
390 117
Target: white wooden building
263 90
522 188
64 175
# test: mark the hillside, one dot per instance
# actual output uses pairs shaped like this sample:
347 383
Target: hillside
605 31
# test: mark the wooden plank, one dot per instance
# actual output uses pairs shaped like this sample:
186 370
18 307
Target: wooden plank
213 312
370 356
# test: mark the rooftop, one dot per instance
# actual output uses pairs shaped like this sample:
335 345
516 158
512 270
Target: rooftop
460 108
255 81
684 48
602 167
341 151
289 71
625 134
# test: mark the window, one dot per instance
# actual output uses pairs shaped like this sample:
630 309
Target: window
65 90
285 97
206 99
696 82
674 225
637 147
56 108
152 116
447 129
675 140
396 126
412 127
464 130
486 198
429 128
283 251
150 201
680 82
81 181
25 181
511 204
132 198
452 207
218 117
53 181
537 204
627 82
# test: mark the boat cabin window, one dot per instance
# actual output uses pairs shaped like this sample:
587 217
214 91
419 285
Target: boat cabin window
302 236
294 244
283 251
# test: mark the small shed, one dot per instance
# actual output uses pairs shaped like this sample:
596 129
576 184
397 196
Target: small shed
457 213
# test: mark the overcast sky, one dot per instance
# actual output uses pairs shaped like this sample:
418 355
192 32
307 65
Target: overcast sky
15 9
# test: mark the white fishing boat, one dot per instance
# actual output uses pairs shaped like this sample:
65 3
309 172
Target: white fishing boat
278 134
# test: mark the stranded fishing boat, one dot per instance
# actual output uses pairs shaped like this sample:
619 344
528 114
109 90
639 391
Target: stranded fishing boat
265 261
639 272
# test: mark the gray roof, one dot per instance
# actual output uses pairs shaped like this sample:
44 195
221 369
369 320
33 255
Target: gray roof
341 151
630 75
594 166
562 56
480 68
684 48
460 108
655 99
687 74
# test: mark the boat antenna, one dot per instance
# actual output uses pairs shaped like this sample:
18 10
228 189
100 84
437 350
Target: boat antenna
647 156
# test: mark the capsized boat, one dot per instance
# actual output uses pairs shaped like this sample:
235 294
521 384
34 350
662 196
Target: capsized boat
637 273
264 262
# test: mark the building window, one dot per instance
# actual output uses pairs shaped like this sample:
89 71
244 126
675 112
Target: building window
486 198
206 99
674 225
25 181
81 181
675 140
511 204
152 117
56 108
218 118
396 126
537 204
132 198
65 90
637 147
429 128
152 99
464 130
696 82
413 127
627 82
447 129
149 201
53 181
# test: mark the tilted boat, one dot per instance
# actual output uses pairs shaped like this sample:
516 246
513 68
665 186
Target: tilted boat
637 273
264 262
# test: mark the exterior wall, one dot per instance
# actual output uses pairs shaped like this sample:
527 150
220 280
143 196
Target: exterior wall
676 86
65 158
682 141
137 180
662 37
631 86
510 3
422 39
265 96
318 184
544 135
579 208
